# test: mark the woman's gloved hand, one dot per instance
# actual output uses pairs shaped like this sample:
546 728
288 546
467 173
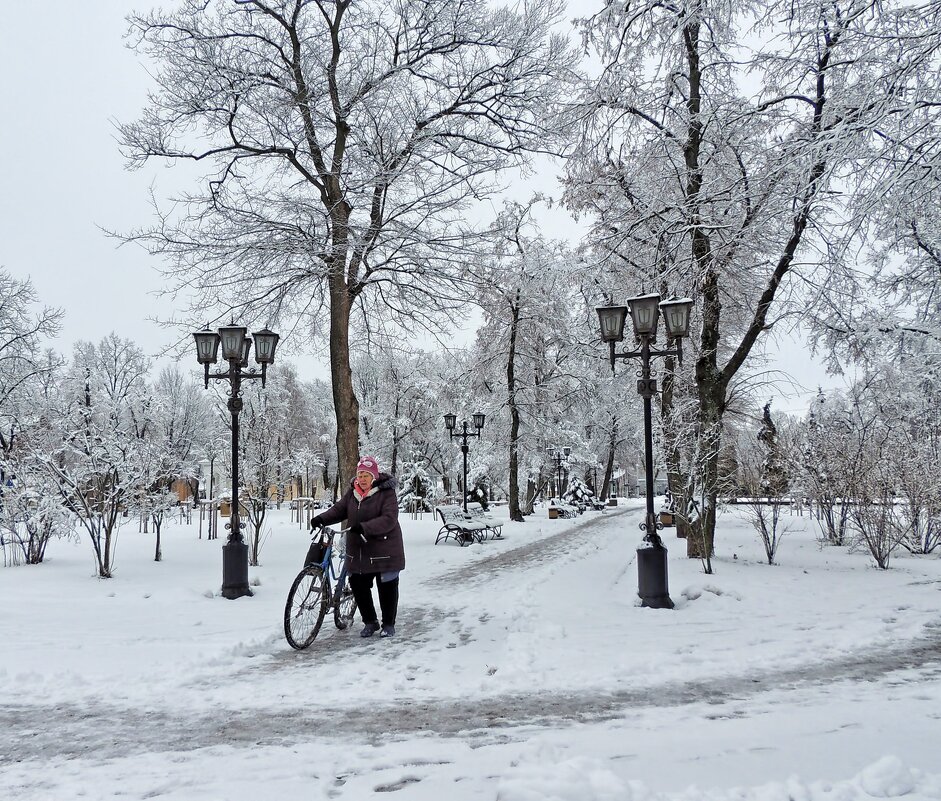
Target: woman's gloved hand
357 531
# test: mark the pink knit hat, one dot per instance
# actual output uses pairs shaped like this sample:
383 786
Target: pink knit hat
368 464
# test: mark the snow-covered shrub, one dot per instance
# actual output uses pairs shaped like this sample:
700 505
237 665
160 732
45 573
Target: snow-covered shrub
28 520
416 491
578 494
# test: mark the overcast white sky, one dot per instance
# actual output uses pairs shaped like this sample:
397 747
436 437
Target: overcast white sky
68 79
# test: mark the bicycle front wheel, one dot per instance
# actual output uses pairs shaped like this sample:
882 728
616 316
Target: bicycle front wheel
306 606
345 607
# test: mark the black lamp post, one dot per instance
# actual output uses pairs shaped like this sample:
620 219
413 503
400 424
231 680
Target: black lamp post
560 456
236 345
652 585
450 420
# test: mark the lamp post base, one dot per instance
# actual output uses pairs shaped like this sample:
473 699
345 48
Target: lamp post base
652 585
235 570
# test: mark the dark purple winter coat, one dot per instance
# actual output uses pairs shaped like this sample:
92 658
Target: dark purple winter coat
378 514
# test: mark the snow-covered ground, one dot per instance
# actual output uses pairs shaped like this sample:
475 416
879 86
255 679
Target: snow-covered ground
521 669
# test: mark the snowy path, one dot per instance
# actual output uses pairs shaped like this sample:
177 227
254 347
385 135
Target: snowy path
40 732
503 580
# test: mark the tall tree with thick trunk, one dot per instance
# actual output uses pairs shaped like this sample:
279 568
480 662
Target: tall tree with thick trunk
723 193
345 143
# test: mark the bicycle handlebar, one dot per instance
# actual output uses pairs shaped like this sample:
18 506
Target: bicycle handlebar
322 530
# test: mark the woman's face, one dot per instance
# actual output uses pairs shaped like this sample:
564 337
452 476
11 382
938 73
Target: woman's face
364 481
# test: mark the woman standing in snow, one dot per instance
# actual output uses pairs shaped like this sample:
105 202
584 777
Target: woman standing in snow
374 547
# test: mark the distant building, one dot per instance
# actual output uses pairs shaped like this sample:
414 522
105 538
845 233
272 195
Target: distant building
222 485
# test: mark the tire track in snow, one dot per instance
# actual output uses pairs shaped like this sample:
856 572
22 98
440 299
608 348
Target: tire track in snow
41 733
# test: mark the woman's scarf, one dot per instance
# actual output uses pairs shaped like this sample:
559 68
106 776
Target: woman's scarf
359 495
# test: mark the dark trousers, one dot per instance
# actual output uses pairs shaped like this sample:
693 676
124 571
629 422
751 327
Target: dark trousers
361 584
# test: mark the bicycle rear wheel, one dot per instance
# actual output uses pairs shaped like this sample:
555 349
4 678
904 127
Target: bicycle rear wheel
345 607
306 607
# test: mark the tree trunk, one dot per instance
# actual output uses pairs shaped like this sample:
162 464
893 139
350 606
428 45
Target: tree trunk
673 433
700 539
700 533
158 553
258 510
345 402
516 513
104 568
278 479
394 465
609 464
531 491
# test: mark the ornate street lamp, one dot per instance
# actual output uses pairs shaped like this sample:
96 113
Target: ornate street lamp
236 347
450 420
560 456
653 586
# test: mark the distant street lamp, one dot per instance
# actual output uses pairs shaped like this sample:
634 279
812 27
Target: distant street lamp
653 586
559 456
236 346
450 420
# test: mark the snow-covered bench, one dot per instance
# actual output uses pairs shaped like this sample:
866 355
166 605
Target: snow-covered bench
559 508
460 527
477 513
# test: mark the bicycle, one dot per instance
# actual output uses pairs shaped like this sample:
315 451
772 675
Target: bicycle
322 585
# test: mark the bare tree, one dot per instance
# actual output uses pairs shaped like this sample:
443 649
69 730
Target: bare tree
896 492
22 361
882 300
180 418
31 515
346 142
97 460
831 463
722 195
263 460
878 526
528 348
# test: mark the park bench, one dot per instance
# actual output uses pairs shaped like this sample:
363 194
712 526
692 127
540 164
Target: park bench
478 514
460 527
559 508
